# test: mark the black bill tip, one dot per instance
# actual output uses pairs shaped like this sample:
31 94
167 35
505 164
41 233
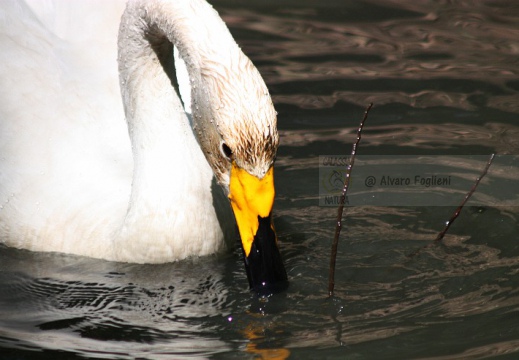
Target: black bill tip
265 269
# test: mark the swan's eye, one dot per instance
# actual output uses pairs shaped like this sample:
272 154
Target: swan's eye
226 150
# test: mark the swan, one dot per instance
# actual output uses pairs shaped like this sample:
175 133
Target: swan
101 157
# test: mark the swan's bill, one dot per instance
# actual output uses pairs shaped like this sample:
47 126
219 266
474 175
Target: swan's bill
252 200
265 269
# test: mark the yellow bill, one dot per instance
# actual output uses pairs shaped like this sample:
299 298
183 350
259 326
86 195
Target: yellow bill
250 197
252 200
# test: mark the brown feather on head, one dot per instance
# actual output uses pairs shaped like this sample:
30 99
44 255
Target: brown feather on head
236 110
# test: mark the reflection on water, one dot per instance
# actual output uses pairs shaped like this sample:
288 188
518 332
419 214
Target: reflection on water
75 302
422 54
444 79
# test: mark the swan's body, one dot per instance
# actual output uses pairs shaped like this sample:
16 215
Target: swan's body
61 129
71 180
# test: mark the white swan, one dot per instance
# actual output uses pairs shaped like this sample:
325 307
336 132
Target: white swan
72 181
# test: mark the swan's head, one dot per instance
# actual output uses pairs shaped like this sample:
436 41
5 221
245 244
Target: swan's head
235 122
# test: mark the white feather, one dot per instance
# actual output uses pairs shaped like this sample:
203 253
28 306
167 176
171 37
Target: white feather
68 180
184 85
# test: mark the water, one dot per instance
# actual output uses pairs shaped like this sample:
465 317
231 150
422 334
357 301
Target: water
444 79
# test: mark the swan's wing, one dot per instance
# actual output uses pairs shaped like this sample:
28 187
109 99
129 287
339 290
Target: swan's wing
78 21
183 81
59 77
62 123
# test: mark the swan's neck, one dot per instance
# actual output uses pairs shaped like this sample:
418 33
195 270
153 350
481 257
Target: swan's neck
161 138
169 166
154 112
193 26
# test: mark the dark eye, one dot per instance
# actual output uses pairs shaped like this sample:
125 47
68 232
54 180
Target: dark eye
226 150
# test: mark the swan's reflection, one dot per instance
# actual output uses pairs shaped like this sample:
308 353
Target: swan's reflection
255 333
69 303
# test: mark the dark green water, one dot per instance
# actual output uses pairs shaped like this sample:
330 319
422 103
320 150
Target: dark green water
444 78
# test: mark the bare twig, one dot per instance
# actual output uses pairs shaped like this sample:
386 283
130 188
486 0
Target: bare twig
340 210
467 197
458 210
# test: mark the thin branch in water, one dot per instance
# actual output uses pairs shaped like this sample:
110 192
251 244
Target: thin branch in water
342 199
467 197
458 210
